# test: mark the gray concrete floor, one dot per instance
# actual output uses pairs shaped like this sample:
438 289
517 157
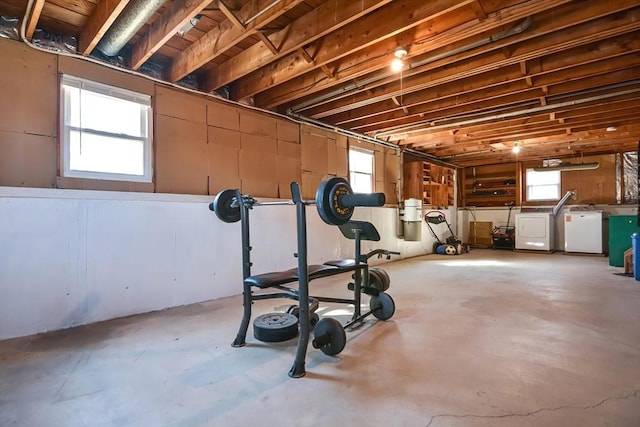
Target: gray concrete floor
489 338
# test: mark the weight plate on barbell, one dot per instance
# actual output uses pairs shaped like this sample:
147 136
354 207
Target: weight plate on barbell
222 206
328 201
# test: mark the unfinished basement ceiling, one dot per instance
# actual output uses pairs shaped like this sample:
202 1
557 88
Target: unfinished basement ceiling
555 77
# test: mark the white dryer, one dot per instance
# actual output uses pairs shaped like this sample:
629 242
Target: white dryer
535 231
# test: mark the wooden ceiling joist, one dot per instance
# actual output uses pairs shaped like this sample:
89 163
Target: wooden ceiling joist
376 26
33 18
179 13
98 23
450 32
308 28
225 36
556 43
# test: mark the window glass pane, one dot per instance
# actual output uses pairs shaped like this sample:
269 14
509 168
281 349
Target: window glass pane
543 192
361 182
361 161
543 185
97 153
542 178
108 114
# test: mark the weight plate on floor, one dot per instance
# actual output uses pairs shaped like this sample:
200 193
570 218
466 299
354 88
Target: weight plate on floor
383 306
222 206
329 336
275 327
328 201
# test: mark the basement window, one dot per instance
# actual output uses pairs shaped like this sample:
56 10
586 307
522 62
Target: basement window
543 185
106 132
361 170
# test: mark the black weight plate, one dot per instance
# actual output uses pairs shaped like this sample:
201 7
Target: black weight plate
222 206
295 310
375 280
383 277
327 204
337 335
386 280
275 327
314 319
383 306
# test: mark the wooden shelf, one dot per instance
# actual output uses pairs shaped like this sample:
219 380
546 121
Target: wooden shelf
434 185
493 185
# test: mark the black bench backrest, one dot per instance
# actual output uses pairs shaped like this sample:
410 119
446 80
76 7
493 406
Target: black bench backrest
367 230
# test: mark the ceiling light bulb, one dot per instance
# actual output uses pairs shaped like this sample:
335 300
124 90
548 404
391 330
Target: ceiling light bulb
397 64
400 52
612 129
516 148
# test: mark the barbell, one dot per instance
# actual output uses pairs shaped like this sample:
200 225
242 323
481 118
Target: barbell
335 202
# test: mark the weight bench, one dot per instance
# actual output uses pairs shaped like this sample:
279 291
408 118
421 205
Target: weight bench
353 230
335 202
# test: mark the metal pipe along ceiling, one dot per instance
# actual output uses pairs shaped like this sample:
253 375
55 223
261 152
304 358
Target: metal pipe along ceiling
135 15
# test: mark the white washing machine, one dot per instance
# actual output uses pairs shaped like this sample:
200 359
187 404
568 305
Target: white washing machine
535 231
584 231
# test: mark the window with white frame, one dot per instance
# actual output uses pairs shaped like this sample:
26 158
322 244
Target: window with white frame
361 170
106 132
543 185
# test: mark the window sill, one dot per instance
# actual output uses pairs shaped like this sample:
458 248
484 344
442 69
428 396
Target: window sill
104 185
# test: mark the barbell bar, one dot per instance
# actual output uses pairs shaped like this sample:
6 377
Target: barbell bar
335 202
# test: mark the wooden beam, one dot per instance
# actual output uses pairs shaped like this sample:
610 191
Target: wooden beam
230 15
225 36
379 25
560 50
327 71
481 92
163 28
306 29
302 51
479 10
265 40
98 23
551 16
33 18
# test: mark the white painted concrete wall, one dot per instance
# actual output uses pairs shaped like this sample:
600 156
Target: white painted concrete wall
71 257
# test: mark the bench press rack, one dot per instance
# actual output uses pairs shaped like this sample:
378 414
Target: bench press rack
231 206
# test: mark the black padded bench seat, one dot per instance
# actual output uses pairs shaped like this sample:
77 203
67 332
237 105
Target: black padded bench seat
276 278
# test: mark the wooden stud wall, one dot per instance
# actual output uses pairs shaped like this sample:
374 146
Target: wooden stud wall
508 181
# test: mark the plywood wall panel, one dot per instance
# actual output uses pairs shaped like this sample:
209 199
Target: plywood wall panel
181 156
289 164
224 167
179 104
310 183
315 153
219 136
25 106
257 124
223 115
287 131
27 160
597 186
258 165
104 74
